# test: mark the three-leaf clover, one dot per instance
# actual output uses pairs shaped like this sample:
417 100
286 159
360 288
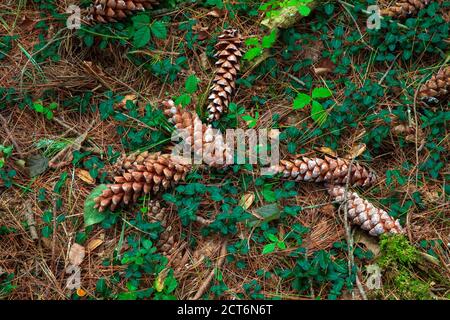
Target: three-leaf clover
318 112
191 86
257 47
274 242
251 121
143 30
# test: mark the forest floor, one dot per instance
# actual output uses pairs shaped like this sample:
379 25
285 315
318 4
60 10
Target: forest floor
73 101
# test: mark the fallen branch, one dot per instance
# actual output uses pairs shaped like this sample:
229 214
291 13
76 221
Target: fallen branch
31 221
205 284
10 136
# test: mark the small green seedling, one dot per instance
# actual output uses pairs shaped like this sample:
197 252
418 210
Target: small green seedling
318 113
274 242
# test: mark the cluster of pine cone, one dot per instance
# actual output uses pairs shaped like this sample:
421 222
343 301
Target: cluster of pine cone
150 173
437 88
336 173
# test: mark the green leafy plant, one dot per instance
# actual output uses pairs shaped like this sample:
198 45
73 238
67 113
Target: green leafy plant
274 243
190 87
318 112
6 175
257 46
251 121
144 29
273 8
6 285
47 111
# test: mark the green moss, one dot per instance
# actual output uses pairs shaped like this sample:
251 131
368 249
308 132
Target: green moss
398 259
411 288
396 251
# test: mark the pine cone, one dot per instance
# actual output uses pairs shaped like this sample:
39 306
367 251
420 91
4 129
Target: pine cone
229 54
168 243
329 170
405 8
361 212
207 143
437 87
105 11
157 213
149 173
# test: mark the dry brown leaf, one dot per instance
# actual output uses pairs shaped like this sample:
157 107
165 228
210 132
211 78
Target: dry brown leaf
328 151
129 97
85 176
93 244
356 151
76 254
247 200
65 156
370 242
204 61
214 13
324 66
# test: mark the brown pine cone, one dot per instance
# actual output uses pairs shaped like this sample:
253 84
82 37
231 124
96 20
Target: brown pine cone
147 174
168 243
405 8
105 11
227 66
437 87
157 213
329 170
208 143
361 212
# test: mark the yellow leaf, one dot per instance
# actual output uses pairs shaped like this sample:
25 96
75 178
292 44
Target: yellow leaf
247 200
159 281
85 176
328 151
94 244
356 151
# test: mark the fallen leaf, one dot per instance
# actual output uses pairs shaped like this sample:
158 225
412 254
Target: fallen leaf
356 151
214 13
76 254
91 214
328 151
369 242
202 35
129 97
204 61
65 156
36 164
324 66
85 176
93 244
247 200
264 214
159 281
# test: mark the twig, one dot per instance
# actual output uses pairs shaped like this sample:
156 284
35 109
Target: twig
348 234
10 136
55 210
31 221
205 284
203 221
